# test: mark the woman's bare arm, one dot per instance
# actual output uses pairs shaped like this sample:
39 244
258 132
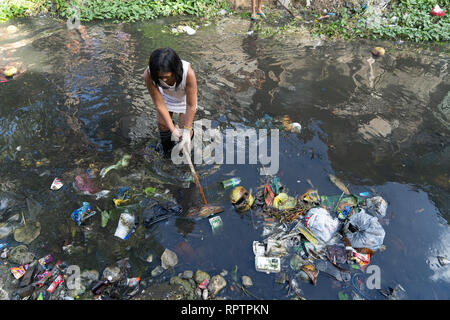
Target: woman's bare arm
191 97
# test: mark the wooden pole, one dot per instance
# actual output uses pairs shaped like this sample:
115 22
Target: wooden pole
197 181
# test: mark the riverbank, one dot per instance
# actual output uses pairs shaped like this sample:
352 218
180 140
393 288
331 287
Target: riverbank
377 19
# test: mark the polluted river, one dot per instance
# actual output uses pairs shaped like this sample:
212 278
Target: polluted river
341 124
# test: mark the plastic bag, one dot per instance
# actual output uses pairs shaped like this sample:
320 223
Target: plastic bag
377 205
321 224
364 231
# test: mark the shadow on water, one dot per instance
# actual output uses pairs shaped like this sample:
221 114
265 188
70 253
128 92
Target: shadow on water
380 125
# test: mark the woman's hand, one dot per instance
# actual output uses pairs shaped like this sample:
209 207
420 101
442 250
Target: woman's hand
177 134
186 140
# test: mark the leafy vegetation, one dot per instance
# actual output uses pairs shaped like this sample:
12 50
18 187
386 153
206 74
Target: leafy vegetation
411 20
403 19
18 8
119 10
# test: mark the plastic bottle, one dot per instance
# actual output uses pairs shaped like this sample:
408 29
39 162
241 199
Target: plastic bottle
233 182
100 286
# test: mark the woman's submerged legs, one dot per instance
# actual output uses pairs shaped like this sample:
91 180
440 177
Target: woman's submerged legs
165 135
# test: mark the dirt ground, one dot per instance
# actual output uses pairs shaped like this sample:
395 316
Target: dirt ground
315 5
320 5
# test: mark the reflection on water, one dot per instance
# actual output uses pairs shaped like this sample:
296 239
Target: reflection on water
81 103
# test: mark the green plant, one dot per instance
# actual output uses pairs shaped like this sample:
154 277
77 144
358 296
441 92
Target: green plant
118 10
18 8
411 20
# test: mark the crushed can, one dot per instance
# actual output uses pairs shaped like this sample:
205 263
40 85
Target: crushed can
83 213
54 285
267 264
44 260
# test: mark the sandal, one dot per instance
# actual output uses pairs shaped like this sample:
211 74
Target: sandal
253 17
262 15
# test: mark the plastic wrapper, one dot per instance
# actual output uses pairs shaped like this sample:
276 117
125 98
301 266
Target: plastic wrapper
18 272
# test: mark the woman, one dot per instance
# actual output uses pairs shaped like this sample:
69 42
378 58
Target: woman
172 85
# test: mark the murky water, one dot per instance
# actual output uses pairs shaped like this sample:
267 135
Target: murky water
380 125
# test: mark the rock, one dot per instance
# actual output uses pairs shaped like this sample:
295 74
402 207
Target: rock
216 284
20 255
224 273
149 258
76 292
11 29
6 229
3 294
25 292
28 232
70 249
4 254
28 276
112 273
443 261
161 291
377 128
200 276
188 274
186 285
169 259
89 276
157 271
247 281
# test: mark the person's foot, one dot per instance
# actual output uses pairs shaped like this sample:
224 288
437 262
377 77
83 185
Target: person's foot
261 14
254 17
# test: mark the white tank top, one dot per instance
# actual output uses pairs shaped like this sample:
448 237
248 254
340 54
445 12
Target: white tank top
175 98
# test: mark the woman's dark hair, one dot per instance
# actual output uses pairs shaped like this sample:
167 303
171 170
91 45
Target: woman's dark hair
165 60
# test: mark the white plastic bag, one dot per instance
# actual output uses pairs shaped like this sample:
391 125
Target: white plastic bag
377 206
364 231
321 224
